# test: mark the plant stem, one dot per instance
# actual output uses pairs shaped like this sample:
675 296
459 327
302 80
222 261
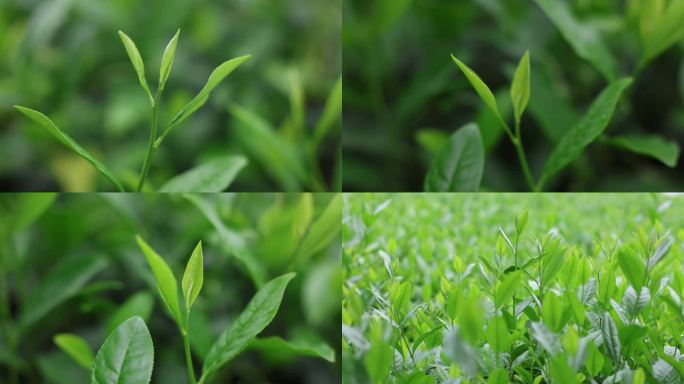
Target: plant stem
517 142
151 149
188 357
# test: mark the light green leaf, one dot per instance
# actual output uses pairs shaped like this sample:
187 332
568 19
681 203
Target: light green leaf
140 304
65 139
76 348
498 336
166 282
632 266
586 131
167 60
214 80
193 277
331 113
459 165
432 140
560 371
520 88
610 337
498 376
594 360
506 289
555 312
20 210
322 231
279 348
378 361
668 30
137 62
126 357
655 146
584 40
213 176
547 339
254 318
480 87
63 282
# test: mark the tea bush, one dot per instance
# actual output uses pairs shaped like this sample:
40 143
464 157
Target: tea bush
217 288
567 118
498 288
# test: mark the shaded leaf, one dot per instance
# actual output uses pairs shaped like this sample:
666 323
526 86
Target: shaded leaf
213 176
140 304
459 165
275 345
76 348
655 146
322 231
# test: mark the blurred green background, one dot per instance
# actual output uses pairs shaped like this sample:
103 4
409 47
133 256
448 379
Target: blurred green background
403 94
70 263
64 58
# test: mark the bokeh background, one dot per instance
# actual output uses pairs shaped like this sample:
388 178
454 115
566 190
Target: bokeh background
403 94
65 59
70 263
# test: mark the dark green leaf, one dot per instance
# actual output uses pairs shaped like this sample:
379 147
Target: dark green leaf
459 165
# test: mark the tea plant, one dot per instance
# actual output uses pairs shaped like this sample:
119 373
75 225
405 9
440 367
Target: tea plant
455 169
458 288
213 176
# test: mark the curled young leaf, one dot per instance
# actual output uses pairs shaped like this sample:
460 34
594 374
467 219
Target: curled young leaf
193 277
167 60
126 357
166 282
520 88
65 139
137 62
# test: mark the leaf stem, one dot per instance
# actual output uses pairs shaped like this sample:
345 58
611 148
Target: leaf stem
188 357
517 143
151 148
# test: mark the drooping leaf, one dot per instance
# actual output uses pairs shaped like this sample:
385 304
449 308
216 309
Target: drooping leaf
610 337
64 281
520 88
322 231
632 266
193 277
480 87
167 60
166 282
586 131
276 346
584 40
459 165
126 357
254 318
655 146
213 176
137 62
76 348
140 304
215 78
65 139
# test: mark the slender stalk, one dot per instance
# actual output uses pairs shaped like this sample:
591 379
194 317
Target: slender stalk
524 165
151 148
188 357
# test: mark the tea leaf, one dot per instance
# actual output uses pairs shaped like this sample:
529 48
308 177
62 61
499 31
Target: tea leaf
254 318
215 78
632 266
586 131
76 348
498 336
498 376
279 348
166 282
126 357
633 304
520 88
666 32
137 62
63 282
65 139
660 252
506 289
331 113
664 150
167 60
193 277
610 337
322 231
459 165
480 87
213 176
545 338
560 371
378 361
584 40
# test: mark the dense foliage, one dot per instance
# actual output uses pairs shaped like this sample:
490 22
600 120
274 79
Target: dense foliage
280 110
247 285
498 288
404 96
